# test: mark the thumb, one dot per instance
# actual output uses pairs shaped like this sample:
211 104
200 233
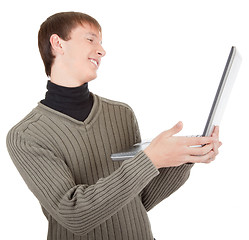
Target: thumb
174 130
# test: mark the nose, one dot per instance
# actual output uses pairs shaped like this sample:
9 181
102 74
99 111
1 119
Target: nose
101 51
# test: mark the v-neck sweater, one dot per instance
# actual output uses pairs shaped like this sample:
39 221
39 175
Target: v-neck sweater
83 193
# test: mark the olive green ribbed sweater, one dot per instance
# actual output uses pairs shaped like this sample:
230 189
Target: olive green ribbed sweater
83 193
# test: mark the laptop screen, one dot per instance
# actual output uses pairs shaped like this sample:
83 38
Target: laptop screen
225 86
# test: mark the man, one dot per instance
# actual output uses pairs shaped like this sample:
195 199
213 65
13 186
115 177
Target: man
62 147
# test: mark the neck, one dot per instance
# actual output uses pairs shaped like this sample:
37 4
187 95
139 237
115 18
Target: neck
75 102
60 75
62 80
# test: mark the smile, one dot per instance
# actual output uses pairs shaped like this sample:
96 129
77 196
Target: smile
94 62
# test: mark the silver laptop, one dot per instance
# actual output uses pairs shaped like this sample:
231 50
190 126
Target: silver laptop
219 103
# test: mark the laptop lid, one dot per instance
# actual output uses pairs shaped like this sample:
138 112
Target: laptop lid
219 103
224 89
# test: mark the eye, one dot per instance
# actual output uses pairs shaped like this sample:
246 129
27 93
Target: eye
90 40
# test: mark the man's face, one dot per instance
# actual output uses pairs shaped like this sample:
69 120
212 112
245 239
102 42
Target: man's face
83 53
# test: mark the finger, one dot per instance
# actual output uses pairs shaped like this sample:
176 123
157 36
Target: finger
216 131
217 143
211 159
216 146
202 159
174 130
195 151
193 141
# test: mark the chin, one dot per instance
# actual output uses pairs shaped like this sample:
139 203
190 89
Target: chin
90 78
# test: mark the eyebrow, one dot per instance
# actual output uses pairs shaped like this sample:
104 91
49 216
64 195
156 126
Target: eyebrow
93 34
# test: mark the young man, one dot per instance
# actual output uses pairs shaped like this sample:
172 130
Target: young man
62 147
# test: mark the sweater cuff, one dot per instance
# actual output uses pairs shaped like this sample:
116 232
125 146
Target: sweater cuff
143 167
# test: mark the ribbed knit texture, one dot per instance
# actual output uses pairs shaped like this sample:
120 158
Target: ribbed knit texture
84 194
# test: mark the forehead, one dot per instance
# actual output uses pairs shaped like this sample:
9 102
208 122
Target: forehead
86 30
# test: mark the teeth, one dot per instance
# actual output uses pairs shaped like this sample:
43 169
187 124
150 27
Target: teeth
94 62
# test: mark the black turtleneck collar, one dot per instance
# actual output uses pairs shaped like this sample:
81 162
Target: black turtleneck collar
75 102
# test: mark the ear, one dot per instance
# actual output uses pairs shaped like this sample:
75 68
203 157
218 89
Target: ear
56 44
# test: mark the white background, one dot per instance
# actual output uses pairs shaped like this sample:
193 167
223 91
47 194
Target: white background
165 59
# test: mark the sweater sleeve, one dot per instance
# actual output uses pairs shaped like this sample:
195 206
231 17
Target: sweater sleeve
167 182
78 208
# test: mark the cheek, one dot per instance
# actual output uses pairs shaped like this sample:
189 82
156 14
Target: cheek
72 53
80 58
77 61
77 58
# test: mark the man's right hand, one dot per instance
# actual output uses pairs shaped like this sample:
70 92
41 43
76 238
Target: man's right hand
167 150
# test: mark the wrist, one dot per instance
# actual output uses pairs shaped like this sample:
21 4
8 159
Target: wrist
152 158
